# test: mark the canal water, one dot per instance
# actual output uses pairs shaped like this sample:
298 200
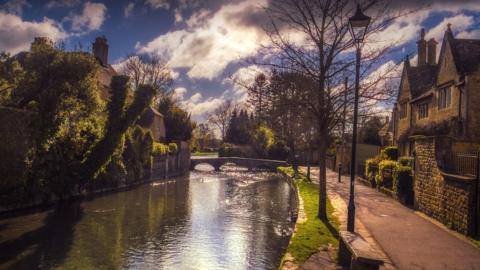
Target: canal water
209 220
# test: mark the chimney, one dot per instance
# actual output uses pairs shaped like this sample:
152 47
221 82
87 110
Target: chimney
100 50
432 51
422 49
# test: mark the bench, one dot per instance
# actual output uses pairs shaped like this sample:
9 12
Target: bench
356 254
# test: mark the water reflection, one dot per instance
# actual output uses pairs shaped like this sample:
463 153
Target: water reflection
228 220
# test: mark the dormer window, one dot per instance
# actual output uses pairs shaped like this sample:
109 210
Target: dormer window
444 97
422 110
403 109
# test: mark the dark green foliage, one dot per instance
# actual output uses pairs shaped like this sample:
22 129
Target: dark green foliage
278 151
119 122
384 176
405 161
371 169
178 125
137 154
369 132
61 96
403 183
390 153
240 129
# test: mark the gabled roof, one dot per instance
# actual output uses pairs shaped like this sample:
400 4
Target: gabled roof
466 53
421 79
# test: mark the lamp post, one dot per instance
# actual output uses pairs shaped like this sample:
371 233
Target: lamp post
358 27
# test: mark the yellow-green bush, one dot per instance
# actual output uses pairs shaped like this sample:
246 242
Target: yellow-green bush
159 149
385 173
172 148
371 169
390 153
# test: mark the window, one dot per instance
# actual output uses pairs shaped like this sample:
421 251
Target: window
403 110
444 97
422 110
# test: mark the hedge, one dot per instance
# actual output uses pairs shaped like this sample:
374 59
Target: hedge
390 153
371 169
383 178
403 183
159 149
405 161
172 148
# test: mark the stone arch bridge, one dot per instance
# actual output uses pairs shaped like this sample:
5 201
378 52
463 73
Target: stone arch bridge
250 163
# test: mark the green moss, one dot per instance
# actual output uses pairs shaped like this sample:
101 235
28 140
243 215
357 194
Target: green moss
314 233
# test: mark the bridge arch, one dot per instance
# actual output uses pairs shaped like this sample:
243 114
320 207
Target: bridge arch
249 163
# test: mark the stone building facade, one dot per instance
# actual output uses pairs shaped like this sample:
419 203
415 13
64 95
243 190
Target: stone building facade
439 99
436 115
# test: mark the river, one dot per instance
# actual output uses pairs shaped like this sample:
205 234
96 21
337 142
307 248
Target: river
232 219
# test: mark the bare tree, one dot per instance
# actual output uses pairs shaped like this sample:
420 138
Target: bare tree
220 118
311 38
149 70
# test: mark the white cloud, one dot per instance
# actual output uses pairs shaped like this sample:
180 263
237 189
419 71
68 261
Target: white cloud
15 6
211 41
128 9
17 34
179 93
178 16
92 17
158 4
459 24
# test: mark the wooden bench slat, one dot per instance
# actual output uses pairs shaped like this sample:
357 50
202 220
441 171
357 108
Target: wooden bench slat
360 248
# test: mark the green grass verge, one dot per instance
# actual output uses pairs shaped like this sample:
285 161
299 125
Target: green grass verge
204 153
314 233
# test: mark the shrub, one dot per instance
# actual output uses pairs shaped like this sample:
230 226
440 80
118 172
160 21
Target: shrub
390 153
263 140
385 172
403 183
279 150
172 148
159 149
371 169
233 150
405 161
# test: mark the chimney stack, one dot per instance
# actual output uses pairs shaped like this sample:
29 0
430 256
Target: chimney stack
100 50
422 49
432 51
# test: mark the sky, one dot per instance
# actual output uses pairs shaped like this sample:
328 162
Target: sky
204 41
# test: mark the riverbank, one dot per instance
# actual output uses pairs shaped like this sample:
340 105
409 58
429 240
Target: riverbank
162 167
311 235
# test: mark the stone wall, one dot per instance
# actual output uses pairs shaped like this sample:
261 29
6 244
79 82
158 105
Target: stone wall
172 165
445 197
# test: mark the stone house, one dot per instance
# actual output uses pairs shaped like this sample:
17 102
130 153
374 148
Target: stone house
151 119
435 117
439 99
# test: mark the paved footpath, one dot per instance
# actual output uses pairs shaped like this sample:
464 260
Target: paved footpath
410 240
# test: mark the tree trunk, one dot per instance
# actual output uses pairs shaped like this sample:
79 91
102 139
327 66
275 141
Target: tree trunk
322 174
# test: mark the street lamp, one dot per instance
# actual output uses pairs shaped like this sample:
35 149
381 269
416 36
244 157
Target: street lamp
358 27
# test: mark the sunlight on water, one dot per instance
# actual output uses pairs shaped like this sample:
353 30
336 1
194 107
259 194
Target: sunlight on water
232 219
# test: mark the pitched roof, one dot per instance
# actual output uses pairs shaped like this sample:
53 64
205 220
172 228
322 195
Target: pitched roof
466 53
421 79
